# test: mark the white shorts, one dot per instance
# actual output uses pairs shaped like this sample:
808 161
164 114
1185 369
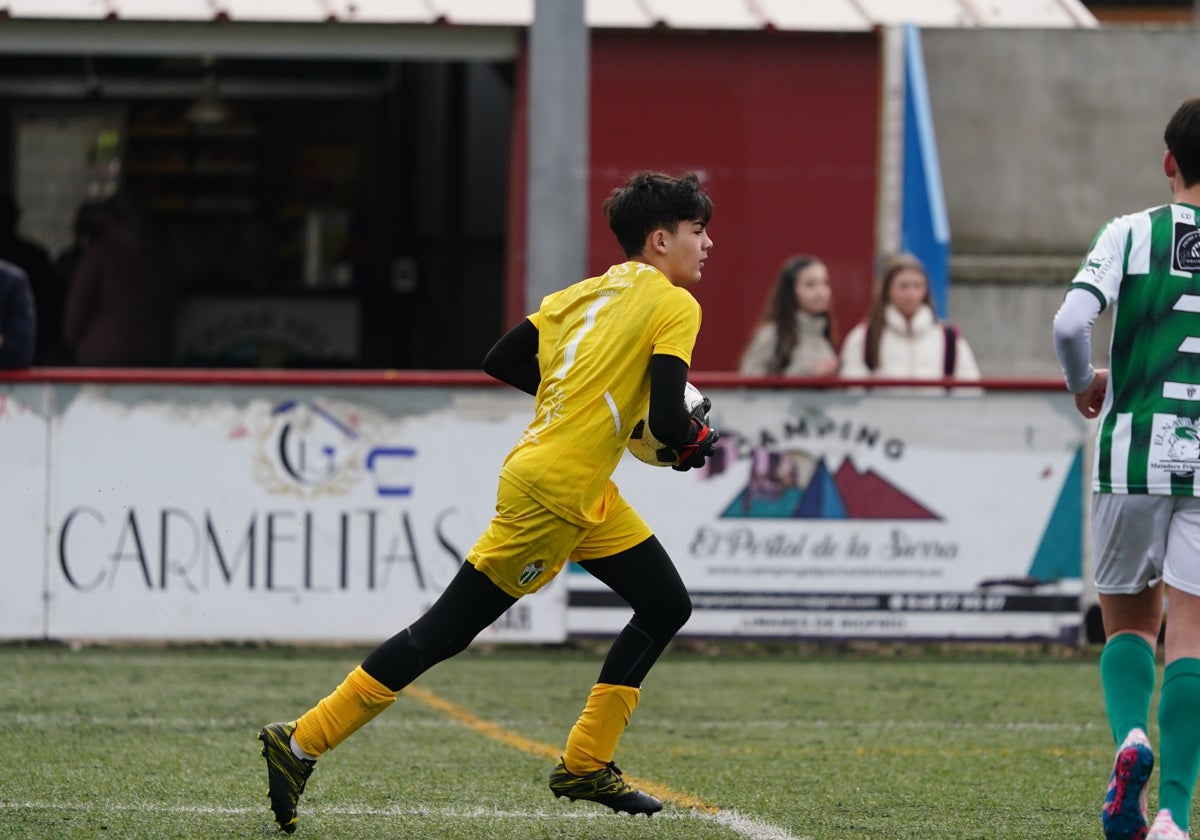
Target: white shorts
1141 539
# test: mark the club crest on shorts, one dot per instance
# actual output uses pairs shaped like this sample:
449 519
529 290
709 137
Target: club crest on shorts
532 571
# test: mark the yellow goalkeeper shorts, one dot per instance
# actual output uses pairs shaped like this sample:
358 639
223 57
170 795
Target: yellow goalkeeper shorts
526 545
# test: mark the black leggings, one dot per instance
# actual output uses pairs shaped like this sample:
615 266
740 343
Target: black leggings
643 576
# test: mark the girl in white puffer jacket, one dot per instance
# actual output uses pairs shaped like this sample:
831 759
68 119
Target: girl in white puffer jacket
902 337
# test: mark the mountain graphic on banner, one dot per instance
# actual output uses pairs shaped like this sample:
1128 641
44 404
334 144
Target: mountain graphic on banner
844 494
867 495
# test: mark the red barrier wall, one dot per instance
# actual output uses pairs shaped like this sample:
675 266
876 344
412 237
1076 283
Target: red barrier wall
265 378
784 129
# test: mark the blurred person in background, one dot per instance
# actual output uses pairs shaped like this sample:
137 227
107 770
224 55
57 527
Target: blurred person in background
85 228
121 299
902 336
1145 266
797 335
44 282
18 322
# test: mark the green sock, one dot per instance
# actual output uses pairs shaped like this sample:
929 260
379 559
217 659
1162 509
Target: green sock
1127 673
1179 737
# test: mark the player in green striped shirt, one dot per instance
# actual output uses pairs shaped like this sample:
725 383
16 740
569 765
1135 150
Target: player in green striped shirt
1145 267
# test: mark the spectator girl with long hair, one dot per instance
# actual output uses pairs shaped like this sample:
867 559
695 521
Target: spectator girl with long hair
902 336
798 334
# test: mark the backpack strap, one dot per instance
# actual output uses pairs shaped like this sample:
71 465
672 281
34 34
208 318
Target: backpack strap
950 357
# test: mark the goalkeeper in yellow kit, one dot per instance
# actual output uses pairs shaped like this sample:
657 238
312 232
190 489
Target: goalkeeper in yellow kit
594 355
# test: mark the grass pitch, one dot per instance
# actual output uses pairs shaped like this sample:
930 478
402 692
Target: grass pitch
786 744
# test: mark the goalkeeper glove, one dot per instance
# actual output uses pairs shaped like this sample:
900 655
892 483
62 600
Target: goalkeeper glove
700 446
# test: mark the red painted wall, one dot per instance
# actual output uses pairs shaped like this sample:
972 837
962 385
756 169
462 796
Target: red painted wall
783 129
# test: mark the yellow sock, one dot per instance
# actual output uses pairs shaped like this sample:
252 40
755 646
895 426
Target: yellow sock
357 700
593 740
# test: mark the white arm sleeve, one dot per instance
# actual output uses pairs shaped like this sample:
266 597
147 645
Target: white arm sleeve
1073 337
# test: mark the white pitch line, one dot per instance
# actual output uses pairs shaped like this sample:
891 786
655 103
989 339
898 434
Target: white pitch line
321 810
41 719
749 827
739 824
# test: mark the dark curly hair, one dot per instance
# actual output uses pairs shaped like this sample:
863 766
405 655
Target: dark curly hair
1182 137
650 200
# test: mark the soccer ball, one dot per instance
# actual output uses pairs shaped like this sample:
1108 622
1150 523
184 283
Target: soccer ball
646 448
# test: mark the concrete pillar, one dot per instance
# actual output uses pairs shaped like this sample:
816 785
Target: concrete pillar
556 211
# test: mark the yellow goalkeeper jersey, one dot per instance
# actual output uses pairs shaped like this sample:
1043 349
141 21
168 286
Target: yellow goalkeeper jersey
595 340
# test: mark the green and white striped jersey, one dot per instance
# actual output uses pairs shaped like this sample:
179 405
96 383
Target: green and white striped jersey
1145 265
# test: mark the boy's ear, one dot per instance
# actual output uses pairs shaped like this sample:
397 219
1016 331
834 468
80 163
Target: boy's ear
657 241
